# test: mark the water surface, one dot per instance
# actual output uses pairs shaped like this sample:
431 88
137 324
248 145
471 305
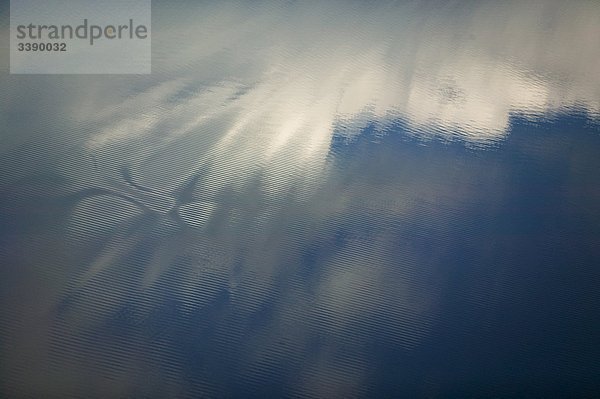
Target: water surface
310 200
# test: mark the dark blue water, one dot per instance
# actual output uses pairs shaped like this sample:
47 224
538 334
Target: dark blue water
302 200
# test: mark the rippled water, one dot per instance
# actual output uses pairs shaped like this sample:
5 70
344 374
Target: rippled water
313 200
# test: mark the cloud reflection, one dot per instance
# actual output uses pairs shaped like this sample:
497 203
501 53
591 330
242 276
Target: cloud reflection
268 95
235 127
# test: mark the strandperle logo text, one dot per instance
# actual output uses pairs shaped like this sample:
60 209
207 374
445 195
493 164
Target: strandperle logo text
80 36
84 31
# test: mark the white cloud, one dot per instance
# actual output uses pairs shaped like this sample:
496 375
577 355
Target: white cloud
277 79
